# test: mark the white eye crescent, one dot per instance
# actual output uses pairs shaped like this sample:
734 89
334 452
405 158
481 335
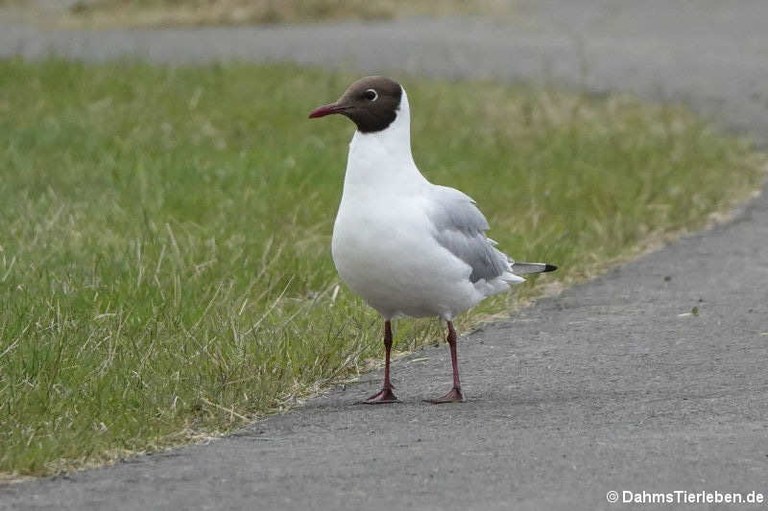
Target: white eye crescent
371 95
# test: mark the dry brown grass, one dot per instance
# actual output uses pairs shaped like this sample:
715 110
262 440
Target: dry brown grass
241 12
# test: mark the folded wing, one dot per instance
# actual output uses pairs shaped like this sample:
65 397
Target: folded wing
460 228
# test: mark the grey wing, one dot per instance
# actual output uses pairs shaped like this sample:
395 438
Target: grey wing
460 227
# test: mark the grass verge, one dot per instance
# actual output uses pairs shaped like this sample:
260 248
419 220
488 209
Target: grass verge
164 236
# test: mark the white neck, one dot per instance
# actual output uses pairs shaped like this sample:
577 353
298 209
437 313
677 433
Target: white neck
382 160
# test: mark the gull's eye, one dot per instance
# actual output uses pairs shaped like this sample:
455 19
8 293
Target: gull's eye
371 95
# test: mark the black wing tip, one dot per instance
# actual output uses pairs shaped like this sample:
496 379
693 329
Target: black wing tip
549 268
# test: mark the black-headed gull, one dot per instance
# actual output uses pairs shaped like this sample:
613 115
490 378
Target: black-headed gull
407 246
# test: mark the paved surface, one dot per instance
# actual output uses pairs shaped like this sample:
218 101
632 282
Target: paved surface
605 387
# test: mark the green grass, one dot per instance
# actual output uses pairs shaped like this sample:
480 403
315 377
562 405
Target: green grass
164 236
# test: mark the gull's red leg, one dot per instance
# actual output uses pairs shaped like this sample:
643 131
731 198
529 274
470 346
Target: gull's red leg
385 395
454 395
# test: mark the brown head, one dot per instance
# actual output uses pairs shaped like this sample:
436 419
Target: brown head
371 103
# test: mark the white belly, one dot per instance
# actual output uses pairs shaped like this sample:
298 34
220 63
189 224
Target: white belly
386 253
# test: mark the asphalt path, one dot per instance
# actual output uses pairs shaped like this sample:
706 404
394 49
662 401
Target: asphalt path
612 385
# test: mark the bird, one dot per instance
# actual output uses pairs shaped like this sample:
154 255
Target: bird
406 246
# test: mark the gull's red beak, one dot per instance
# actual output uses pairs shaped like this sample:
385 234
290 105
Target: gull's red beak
333 108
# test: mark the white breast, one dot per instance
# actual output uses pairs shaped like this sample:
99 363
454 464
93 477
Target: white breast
383 250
